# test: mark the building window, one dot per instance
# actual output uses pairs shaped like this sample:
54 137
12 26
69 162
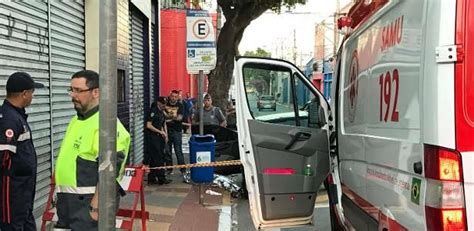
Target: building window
120 86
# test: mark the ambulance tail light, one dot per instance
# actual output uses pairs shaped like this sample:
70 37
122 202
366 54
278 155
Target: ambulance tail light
444 201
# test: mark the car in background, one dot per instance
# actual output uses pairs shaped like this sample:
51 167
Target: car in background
266 102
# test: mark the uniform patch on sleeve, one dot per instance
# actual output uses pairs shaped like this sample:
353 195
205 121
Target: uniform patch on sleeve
9 133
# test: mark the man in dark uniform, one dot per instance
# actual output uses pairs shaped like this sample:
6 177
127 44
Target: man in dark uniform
18 156
157 137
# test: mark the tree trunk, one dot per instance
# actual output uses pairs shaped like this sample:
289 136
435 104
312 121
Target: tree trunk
227 48
238 17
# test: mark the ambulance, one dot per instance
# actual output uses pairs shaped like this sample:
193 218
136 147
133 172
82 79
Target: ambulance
394 148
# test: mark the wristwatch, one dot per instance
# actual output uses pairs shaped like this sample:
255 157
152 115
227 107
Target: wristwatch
93 210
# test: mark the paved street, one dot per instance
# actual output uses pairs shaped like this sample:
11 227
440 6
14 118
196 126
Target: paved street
280 108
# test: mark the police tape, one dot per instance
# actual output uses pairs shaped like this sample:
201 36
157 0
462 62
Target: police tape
201 165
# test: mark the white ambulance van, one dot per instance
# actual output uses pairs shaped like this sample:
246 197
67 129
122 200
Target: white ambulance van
396 145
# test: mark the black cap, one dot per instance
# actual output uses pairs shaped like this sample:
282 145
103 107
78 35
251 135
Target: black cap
162 99
20 81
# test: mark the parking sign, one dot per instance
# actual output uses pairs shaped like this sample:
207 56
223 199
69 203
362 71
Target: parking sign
200 42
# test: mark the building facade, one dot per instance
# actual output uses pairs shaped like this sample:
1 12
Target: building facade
51 40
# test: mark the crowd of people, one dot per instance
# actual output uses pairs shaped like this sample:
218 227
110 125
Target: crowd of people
168 119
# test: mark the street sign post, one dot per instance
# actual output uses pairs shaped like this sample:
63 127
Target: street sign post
200 51
200 42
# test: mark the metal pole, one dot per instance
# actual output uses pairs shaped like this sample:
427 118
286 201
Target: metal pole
200 101
108 114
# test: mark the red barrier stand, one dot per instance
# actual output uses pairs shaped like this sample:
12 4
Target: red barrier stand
132 182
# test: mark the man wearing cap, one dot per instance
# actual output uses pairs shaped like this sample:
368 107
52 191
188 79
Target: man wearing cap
212 115
18 155
156 133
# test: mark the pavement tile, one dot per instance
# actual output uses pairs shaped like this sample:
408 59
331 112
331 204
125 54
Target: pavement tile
152 226
178 190
211 199
163 201
322 197
170 193
161 210
193 216
161 218
160 226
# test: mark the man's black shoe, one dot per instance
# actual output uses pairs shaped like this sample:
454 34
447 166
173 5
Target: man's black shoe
165 181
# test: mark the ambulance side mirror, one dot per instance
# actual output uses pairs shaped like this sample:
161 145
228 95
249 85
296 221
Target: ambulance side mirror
316 118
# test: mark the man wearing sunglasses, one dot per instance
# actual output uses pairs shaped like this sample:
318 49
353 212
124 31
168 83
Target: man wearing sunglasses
77 164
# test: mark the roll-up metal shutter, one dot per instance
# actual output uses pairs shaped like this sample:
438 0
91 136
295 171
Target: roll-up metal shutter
24 47
67 57
154 80
137 93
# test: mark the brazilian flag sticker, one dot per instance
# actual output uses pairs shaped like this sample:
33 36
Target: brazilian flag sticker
415 190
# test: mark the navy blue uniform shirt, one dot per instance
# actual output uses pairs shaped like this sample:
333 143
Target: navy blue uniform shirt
157 118
18 165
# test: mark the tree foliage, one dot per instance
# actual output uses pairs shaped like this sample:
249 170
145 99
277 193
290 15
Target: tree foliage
259 78
258 53
238 15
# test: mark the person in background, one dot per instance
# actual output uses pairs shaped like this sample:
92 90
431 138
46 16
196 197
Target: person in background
230 115
77 167
18 155
174 119
180 96
187 114
212 115
157 136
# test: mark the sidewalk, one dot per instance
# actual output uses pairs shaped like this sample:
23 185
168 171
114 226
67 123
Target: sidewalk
176 206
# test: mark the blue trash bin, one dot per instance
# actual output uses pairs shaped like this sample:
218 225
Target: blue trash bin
202 150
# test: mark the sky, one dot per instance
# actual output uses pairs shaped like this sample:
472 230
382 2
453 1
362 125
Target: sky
276 33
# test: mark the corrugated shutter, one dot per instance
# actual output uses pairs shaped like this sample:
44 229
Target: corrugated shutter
24 47
137 84
154 52
67 57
